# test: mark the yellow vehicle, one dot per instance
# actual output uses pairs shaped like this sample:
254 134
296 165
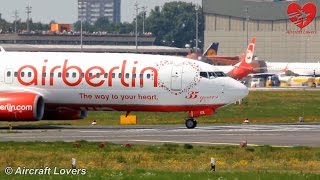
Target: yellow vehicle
302 81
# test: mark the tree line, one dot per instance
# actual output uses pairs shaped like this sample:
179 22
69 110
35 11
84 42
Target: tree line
173 25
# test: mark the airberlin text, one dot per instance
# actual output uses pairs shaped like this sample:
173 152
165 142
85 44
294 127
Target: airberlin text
89 76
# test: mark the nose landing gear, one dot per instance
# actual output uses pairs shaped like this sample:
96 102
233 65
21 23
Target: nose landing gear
191 123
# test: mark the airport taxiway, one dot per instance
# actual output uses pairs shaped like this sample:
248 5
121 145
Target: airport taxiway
275 135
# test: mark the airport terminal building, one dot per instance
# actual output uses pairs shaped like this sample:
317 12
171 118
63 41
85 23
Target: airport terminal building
233 22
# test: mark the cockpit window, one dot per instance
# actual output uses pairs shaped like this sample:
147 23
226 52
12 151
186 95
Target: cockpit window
204 74
220 74
212 75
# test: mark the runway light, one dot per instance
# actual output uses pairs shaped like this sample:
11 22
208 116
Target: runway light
73 163
102 145
10 127
243 143
301 119
246 121
77 145
213 164
94 122
127 145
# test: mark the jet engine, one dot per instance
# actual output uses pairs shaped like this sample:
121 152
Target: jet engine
21 106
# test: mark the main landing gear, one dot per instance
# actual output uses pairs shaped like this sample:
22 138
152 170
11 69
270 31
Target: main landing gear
191 123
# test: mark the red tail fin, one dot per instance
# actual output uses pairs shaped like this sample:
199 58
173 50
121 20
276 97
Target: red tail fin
245 67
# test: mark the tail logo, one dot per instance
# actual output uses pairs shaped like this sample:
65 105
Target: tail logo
301 17
249 53
211 52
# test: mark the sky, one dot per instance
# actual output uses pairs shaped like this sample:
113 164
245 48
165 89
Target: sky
65 11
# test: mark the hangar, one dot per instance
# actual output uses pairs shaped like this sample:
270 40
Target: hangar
233 22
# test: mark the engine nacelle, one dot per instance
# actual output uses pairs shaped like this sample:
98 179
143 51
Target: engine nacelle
21 106
64 115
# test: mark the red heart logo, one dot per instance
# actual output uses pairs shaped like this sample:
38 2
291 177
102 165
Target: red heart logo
301 17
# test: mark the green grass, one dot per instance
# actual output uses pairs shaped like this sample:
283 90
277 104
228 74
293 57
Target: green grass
167 157
168 161
156 175
259 107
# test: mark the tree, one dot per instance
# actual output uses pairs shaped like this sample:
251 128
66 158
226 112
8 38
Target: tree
86 26
175 24
103 24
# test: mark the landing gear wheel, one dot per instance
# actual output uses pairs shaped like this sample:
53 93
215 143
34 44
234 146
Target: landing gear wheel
191 123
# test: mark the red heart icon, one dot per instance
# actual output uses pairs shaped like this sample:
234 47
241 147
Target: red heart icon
301 17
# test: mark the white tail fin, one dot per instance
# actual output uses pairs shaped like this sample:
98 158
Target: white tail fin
1 49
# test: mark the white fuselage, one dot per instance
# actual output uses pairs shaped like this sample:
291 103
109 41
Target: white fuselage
90 81
303 69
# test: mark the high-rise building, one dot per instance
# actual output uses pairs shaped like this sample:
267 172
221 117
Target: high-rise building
92 10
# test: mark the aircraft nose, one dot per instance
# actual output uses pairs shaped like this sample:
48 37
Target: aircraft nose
235 90
242 90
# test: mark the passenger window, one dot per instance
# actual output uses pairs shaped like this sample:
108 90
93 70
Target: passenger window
15 74
127 75
148 76
22 74
59 74
134 76
204 74
113 75
82 75
67 75
29 74
8 74
98 75
105 75
44 74
51 75
90 74
74 75
120 75
141 76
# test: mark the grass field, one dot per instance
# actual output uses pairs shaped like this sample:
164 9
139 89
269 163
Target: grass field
259 107
168 161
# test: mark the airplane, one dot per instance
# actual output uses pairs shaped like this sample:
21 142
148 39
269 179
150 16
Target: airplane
212 54
244 67
65 86
212 50
302 69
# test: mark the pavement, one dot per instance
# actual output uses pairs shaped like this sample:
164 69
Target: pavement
275 134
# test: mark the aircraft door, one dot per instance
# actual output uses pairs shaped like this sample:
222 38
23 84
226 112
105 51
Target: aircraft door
8 76
1 76
176 78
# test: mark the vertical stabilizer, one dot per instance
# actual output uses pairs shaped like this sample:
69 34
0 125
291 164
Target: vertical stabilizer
245 66
1 49
212 50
